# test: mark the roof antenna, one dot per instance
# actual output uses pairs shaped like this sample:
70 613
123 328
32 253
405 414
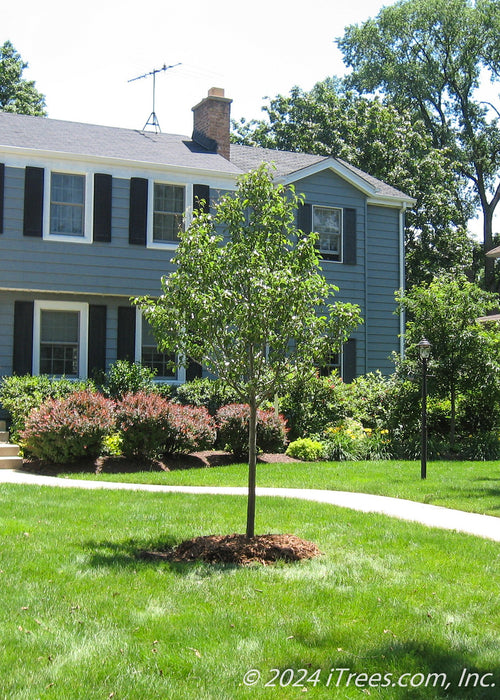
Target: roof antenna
153 119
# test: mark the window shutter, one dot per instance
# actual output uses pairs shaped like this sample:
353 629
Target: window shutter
103 189
125 349
33 202
2 185
97 339
22 358
349 242
193 371
304 218
138 211
349 361
201 193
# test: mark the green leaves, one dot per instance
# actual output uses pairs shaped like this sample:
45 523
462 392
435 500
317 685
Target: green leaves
16 93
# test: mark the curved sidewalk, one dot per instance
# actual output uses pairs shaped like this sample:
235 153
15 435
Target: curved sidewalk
485 526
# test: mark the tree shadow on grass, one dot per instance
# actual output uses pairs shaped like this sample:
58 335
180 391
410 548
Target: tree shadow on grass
131 554
408 669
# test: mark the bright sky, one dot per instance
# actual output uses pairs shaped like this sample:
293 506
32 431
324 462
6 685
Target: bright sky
82 55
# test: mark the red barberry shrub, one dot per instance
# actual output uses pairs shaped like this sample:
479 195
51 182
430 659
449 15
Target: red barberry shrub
232 426
152 426
66 429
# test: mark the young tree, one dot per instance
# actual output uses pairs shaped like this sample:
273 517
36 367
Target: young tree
16 93
390 144
429 56
248 299
464 355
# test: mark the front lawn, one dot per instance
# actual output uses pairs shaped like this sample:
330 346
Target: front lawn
469 486
82 616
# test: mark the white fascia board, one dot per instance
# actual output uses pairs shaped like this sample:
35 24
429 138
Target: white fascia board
17 156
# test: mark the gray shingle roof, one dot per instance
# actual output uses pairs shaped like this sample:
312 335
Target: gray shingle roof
90 140
40 133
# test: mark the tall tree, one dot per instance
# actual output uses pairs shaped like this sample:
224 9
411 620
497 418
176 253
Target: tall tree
464 353
248 299
429 56
16 93
388 143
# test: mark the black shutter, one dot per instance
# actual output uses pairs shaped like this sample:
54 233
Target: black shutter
193 371
103 188
138 211
349 242
33 202
304 218
97 339
201 198
2 185
125 349
349 361
22 357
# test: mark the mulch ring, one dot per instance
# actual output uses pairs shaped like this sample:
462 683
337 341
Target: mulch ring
237 549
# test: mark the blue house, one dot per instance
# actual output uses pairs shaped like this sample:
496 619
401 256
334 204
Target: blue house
89 217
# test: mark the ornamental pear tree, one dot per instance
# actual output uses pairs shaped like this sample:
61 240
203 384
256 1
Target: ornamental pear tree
248 299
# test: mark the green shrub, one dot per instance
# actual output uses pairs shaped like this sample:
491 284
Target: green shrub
210 393
349 440
151 426
20 395
63 430
306 449
232 425
124 377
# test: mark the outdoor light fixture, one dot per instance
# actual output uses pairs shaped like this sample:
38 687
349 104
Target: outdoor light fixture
424 350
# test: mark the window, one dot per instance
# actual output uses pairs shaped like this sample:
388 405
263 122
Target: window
333 362
67 204
327 222
60 338
147 353
168 212
152 358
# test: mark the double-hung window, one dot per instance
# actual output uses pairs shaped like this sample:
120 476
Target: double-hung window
68 213
327 222
60 338
152 358
168 212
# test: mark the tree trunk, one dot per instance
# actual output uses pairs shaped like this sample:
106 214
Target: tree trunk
489 263
252 467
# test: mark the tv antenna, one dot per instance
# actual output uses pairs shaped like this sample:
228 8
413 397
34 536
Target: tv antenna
153 119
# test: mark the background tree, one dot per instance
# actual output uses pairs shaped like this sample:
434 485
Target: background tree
16 93
390 144
250 303
429 56
464 355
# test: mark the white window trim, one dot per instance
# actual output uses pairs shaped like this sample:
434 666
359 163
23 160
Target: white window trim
326 252
83 310
188 212
88 206
181 370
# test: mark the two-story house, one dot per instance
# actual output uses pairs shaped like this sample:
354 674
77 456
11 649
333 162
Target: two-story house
89 218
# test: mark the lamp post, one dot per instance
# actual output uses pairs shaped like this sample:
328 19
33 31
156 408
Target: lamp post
424 350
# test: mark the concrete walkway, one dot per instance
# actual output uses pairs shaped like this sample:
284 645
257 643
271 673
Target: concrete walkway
485 526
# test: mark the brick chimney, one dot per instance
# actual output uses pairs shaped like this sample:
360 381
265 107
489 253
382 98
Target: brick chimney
212 122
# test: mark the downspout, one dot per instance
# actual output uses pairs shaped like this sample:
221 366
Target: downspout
402 212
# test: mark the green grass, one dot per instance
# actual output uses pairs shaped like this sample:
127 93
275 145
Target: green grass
469 486
83 617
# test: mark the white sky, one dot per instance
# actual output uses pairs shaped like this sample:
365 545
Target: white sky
81 55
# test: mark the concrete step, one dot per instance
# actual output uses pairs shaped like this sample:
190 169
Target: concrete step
4 436
11 462
8 450
3 425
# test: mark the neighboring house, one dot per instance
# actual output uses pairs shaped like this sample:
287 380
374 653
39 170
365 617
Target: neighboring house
88 219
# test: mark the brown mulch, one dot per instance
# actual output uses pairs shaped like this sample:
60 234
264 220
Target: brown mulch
238 549
120 465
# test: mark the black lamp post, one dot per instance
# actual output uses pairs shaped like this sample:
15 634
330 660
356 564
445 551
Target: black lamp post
424 350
